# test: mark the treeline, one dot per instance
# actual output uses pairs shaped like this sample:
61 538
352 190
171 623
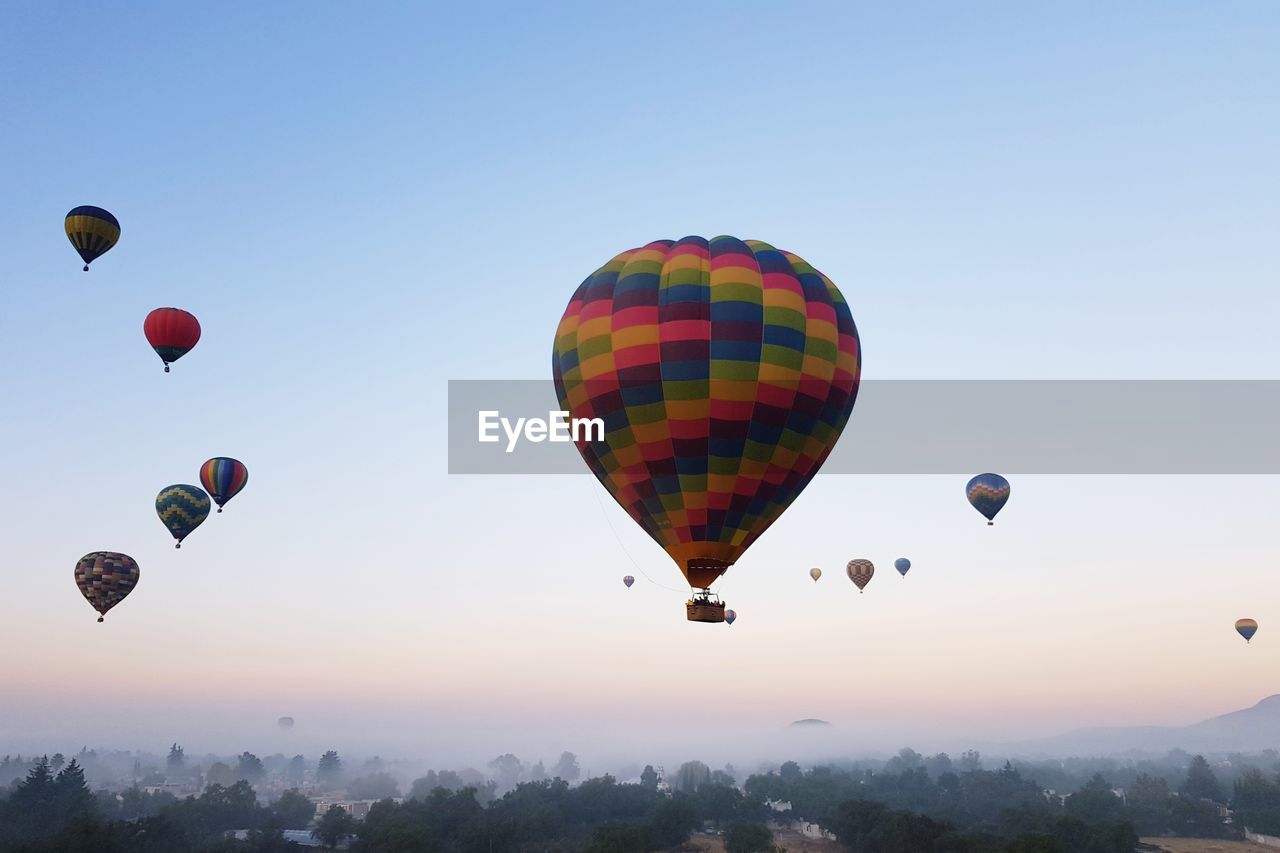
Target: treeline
48 812
904 805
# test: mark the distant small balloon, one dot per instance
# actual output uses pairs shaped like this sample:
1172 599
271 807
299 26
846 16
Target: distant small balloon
1246 628
628 580
815 573
860 572
988 493
285 722
730 616
903 565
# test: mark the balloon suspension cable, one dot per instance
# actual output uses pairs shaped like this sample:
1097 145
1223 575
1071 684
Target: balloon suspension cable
623 547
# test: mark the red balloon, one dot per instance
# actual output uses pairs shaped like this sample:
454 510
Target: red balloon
172 333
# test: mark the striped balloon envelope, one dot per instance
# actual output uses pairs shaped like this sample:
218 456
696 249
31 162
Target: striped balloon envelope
860 572
988 493
182 509
1246 628
104 578
93 231
223 478
723 372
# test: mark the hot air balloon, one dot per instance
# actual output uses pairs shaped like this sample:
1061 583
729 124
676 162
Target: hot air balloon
903 565
628 580
1246 628
172 333
730 616
815 573
285 722
93 231
988 493
105 578
860 572
223 478
723 372
182 509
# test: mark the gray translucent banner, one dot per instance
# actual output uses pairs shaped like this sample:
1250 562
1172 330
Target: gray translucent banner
954 427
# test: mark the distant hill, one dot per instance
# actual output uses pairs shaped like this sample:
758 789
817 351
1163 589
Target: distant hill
1250 729
811 722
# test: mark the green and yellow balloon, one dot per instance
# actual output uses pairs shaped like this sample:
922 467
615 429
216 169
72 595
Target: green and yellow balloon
182 508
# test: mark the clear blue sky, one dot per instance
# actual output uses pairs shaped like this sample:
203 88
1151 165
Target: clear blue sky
361 201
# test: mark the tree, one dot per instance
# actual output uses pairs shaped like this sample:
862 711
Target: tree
649 777
296 770
1201 783
749 838
1256 800
293 810
57 762
567 768
691 776
1195 818
329 770
334 826
249 768
906 759
71 796
938 764
723 779
375 786
620 838
790 772
538 772
1095 802
508 769
220 774
1148 798
672 822
970 760
176 761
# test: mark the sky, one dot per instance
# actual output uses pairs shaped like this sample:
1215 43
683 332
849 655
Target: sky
363 201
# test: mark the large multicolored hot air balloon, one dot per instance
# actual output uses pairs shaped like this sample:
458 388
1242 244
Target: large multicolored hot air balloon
223 478
1246 628
182 509
105 578
860 572
988 493
903 565
723 372
730 616
815 573
172 333
93 231
628 580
